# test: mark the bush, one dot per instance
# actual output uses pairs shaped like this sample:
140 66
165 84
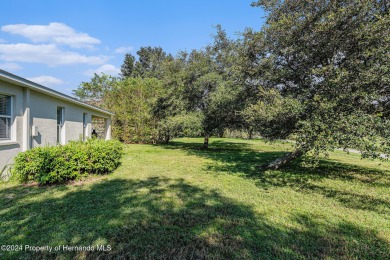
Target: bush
59 164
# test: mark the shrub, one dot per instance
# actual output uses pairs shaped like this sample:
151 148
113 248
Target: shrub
59 164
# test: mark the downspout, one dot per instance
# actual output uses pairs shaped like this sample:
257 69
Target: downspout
108 128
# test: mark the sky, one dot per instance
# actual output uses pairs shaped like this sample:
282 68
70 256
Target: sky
60 44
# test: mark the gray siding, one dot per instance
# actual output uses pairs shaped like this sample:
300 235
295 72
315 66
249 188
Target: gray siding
43 116
8 149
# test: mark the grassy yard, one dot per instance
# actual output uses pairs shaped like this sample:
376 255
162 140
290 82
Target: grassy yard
179 201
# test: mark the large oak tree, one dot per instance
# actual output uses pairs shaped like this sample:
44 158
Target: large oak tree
324 73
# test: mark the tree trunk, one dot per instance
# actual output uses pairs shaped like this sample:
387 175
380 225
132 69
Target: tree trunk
280 162
167 138
206 141
220 133
250 134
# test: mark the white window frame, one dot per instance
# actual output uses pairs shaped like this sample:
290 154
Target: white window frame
85 126
10 117
60 134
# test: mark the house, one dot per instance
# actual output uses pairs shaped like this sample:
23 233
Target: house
32 115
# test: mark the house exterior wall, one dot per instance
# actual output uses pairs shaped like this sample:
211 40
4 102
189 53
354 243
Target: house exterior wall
9 149
44 117
34 109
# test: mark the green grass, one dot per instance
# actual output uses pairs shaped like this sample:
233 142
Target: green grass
179 201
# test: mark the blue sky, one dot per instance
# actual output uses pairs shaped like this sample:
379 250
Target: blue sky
62 43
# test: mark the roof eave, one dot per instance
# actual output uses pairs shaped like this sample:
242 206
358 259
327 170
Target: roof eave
9 77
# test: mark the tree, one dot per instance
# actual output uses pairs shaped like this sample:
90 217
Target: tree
231 63
214 84
95 91
172 109
127 68
150 61
331 58
132 100
195 90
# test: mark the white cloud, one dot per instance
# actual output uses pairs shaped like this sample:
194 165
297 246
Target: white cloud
106 69
48 54
58 33
46 80
10 66
2 41
124 49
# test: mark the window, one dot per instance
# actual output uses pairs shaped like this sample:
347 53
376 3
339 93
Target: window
5 117
84 126
60 123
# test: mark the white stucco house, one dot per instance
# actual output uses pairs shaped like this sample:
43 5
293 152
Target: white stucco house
32 115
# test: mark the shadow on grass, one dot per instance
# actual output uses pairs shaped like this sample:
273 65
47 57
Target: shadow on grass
236 158
241 158
169 218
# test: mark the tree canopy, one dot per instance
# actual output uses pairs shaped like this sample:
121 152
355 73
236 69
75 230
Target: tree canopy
332 57
316 73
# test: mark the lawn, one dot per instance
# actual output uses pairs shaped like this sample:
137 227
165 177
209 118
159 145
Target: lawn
179 201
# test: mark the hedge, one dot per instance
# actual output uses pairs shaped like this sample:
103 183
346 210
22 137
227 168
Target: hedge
62 163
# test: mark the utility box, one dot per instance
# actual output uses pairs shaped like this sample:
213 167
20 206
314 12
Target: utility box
34 130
